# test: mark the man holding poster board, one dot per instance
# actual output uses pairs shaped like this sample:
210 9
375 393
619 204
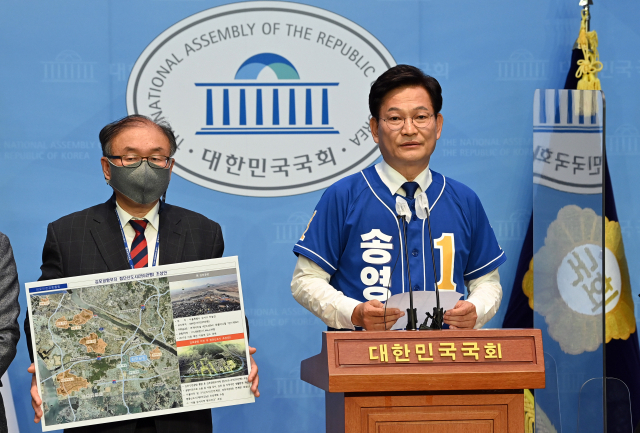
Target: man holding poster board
134 229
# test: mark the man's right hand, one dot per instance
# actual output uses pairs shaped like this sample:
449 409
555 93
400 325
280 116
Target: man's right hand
36 401
370 315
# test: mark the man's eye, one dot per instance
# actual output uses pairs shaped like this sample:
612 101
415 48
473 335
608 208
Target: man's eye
394 119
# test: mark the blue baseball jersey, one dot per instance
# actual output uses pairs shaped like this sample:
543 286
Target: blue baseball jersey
355 236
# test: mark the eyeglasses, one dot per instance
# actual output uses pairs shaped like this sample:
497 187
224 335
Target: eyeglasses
133 161
396 123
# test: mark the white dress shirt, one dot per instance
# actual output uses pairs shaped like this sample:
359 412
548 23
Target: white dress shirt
150 233
310 284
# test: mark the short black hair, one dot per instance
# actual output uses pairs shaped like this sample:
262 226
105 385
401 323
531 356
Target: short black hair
403 76
108 133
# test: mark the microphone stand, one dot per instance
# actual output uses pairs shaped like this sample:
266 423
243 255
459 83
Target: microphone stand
412 314
437 318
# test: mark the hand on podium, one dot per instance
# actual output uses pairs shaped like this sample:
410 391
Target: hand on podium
462 316
370 315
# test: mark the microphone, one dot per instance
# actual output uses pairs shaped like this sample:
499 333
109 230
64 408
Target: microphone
437 319
402 209
404 212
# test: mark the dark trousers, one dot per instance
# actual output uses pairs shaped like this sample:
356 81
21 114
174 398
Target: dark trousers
198 421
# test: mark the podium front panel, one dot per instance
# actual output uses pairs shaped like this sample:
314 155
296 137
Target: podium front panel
427 361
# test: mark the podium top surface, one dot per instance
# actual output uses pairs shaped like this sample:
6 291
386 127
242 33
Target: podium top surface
389 361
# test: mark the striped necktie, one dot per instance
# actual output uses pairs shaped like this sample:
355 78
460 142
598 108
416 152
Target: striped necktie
139 254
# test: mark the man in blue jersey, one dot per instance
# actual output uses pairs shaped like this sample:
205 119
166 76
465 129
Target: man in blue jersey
351 256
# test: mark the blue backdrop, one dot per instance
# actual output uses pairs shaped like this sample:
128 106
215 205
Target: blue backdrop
489 56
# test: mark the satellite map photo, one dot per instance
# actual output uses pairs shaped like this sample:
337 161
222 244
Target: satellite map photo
106 351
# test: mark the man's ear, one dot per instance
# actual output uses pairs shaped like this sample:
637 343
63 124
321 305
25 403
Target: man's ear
106 168
439 121
171 167
373 125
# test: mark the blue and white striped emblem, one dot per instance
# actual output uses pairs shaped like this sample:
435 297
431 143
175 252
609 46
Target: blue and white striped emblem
568 139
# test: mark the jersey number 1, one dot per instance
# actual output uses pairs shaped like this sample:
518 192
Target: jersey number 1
446 245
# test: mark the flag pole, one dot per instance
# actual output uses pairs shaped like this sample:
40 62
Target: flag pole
585 6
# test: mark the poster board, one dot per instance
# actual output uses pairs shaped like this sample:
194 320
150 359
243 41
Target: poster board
138 343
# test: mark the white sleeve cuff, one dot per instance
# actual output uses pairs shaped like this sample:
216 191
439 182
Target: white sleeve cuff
480 311
345 309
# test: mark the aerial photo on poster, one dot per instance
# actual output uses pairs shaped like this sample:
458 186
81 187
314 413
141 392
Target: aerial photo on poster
197 297
106 352
212 361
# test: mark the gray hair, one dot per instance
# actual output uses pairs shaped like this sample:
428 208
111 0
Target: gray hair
112 129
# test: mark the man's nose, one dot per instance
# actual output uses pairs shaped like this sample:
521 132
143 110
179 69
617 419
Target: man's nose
408 128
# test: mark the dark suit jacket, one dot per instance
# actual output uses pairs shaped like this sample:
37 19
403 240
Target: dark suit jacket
9 311
90 242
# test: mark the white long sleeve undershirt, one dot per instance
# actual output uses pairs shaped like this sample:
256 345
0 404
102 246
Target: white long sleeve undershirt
310 287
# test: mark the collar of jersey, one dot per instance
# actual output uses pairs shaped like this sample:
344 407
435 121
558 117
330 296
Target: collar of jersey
434 191
394 180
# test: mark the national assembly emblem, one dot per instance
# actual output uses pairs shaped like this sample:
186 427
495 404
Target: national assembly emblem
267 98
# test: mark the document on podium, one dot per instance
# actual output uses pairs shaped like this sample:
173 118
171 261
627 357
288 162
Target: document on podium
424 302
139 343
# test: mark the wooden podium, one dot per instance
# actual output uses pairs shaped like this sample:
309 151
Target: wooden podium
426 381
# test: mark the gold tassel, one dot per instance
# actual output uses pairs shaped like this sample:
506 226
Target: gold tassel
590 65
583 41
529 412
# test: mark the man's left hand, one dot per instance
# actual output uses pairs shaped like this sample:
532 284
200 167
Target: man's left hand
463 316
253 377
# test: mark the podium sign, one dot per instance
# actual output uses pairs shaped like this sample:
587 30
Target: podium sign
447 381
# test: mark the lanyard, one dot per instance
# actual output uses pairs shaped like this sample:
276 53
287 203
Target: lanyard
126 245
